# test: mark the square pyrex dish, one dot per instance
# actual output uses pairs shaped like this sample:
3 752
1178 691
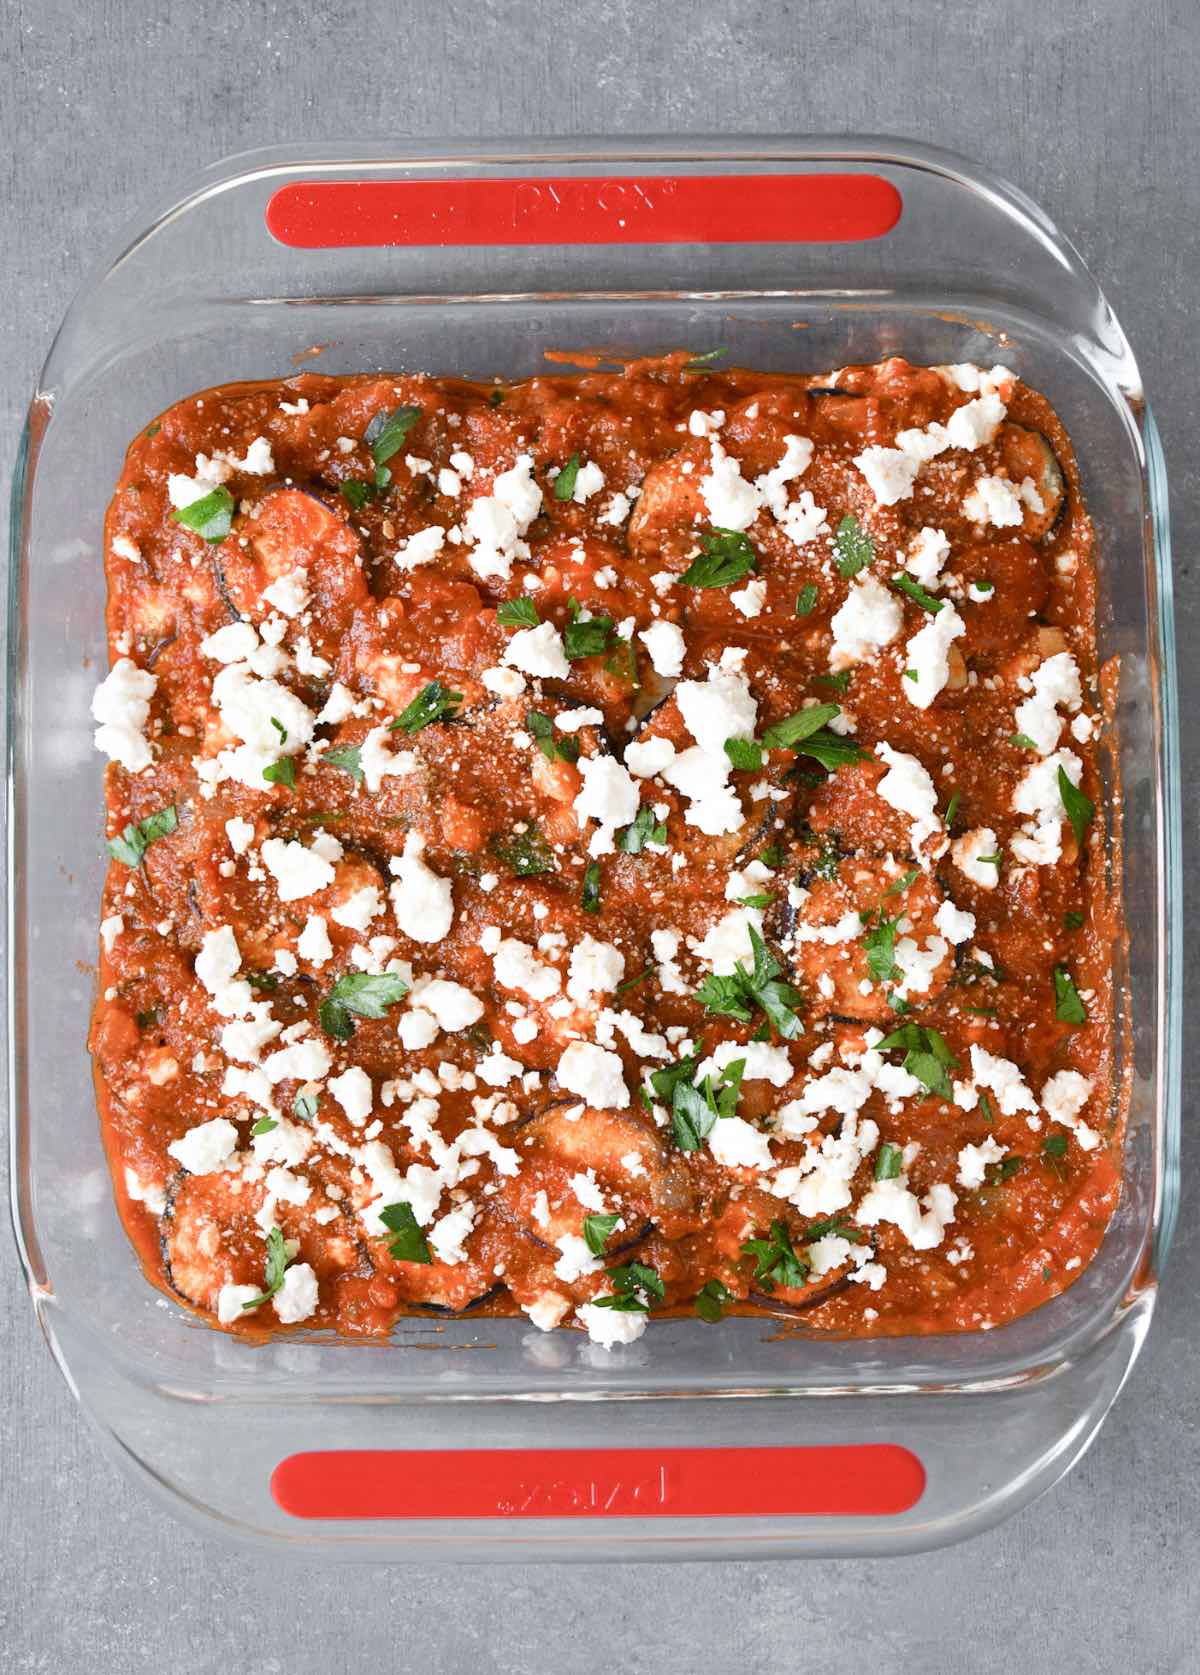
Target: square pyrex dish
791 254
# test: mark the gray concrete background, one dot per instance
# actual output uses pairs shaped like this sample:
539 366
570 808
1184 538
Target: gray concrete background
1091 106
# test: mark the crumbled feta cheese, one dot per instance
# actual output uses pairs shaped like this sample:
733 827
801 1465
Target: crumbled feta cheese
973 1162
595 1075
1063 1097
289 593
313 943
609 1327
352 1090
517 968
231 1301
993 500
1055 682
665 643
121 704
609 795
538 651
968 851
650 757
206 1148
927 656
422 901
908 789
296 1298
496 522
595 968
869 617
737 1144
927 552
890 473
297 871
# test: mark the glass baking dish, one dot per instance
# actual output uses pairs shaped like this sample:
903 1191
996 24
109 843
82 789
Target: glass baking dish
485 1439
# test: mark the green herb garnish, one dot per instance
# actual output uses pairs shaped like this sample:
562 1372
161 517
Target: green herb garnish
564 483
134 841
554 750
806 600
432 703
1073 921
589 901
645 829
744 992
1068 1008
745 754
348 757
725 557
305 1106
517 613
775 1259
282 772
880 944
697 363
277 1261
365 994
926 1056
914 590
1079 808
634 1283
853 548
710 1301
387 432
264 1125
585 636
789 733
409 1244
597 1230
1022 741
889 1160
211 516
524 853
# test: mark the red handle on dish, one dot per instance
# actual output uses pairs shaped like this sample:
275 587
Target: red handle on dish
862 1480
575 209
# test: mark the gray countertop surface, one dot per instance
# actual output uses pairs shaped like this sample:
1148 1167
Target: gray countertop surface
1091 106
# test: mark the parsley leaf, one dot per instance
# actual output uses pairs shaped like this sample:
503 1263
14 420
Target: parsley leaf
853 548
665 1081
585 636
710 1300
211 516
697 363
951 811
134 841
692 1117
725 557
589 900
564 483
739 995
888 1161
926 1056
745 754
409 1244
264 1125
1073 921
305 1106
524 853
902 883
432 703
282 772
1079 808
789 733
387 432
348 757
1022 741
775 1259
914 590
357 493
517 613
880 945
596 1231
366 994
1055 1145
633 1284
1068 1008
277 1261
806 600
645 829
554 750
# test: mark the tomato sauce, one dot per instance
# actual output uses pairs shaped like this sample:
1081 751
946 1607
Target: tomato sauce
577 840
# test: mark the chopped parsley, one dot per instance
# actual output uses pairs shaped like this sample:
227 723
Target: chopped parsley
585 636
564 483
282 772
697 363
926 1056
725 557
597 1230
788 733
775 1259
853 548
1055 1145
951 810
998 1173
645 829
524 853
277 1261
634 1284
745 992
554 750
1079 808
387 432
880 944
264 982
1073 921
914 590
839 682
409 1243
889 1160
264 1125
432 703
365 994
745 754
1022 741
348 757
902 883
211 516
710 1301
137 837
1068 1008
806 600
589 900
632 982
357 493
694 1110
305 1107
517 613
